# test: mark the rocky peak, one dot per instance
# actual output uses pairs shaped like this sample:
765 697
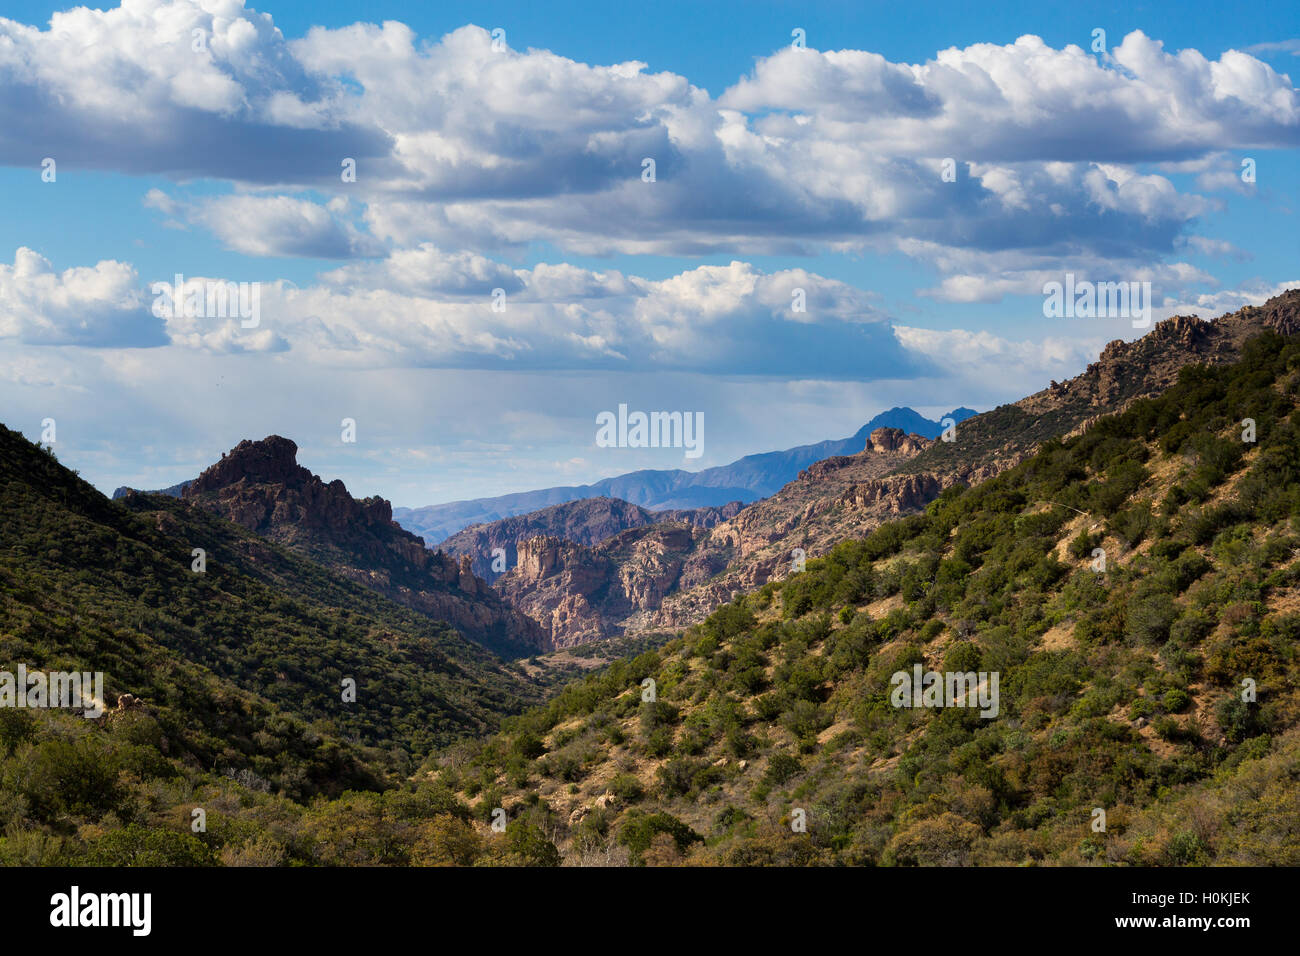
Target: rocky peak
273 460
260 486
1280 313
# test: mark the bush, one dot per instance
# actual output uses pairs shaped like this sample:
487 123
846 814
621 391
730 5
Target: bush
639 830
135 845
626 787
528 844
782 767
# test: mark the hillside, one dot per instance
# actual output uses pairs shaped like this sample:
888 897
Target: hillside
228 681
773 734
261 487
827 504
746 479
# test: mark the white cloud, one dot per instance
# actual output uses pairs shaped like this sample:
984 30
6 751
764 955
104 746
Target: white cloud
464 147
98 305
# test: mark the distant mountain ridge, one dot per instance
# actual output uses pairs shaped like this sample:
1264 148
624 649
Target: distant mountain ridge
746 480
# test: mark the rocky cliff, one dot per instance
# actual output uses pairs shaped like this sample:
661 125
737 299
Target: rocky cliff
581 594
586 522
587 593
260 486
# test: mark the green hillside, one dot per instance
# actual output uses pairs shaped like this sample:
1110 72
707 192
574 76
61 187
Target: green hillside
1120 691
239 669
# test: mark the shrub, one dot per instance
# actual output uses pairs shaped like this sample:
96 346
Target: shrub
782 767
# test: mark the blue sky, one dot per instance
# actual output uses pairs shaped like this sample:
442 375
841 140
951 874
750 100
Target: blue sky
519 168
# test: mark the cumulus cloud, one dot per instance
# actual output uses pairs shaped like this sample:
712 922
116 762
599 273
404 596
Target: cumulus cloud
430 309
174 87
283 226
464 146
100 305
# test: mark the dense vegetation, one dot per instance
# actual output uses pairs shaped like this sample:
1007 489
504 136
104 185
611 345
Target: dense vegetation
768 735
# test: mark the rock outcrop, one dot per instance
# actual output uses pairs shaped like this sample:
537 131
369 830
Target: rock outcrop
589 521
581 594
261 486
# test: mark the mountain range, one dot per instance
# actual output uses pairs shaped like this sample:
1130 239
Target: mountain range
746 480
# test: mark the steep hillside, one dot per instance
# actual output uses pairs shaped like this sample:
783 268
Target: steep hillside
588 521
223 688
260 486
746 479
817 510
1144 710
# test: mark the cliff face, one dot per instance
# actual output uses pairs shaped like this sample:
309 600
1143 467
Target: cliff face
587 522
582 594
260 486
587 593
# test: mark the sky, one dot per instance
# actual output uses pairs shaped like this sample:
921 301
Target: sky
470 229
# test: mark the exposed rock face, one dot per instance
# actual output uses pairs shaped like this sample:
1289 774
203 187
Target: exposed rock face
884 440
261 486
588 522
900 494
581 594
586 593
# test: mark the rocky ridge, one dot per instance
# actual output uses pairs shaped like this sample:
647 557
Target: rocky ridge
260 486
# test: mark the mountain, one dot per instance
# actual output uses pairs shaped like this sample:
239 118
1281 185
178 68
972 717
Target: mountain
587 521
827 504
1143 712
237 665
581 594
175 491
261 487
746 479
